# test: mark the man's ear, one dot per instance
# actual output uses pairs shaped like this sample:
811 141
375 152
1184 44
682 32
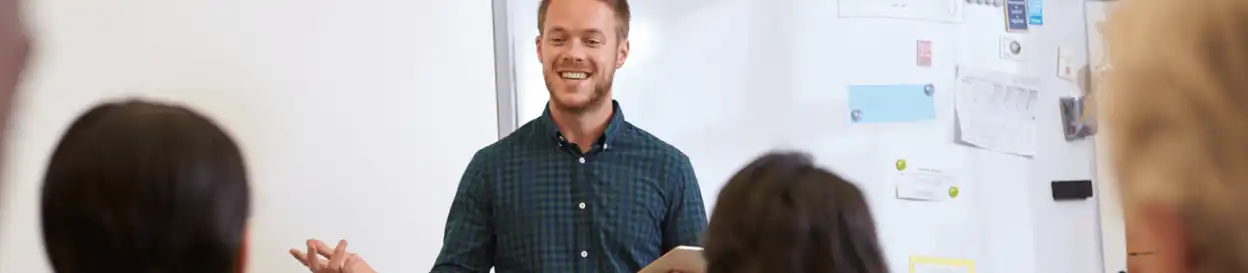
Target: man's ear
1165 235
623 55
538 44
242 251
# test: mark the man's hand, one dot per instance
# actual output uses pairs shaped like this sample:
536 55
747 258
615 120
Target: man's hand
337 260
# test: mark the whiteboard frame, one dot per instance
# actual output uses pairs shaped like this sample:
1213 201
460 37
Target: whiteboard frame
504 70
1109 207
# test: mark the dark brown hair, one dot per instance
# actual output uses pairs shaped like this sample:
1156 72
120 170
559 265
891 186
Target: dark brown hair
622 15
783 214
143 187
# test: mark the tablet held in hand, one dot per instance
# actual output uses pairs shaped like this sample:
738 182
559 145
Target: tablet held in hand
683 259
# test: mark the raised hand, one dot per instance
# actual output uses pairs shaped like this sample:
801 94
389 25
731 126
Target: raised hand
337 260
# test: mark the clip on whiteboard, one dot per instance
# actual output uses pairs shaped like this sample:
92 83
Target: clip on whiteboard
1077 122
1071 190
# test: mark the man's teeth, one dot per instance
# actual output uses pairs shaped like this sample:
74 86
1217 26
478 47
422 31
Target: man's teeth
574 75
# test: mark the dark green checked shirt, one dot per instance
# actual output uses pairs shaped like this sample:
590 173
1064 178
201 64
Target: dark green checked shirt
532 202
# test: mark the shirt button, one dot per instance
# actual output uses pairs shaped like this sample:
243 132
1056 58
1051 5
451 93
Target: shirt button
584 254
605 146
582 205
582 160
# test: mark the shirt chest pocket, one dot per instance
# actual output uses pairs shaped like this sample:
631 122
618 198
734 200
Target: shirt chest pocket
634 211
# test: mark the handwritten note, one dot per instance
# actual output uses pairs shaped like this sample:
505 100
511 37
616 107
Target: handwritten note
996 111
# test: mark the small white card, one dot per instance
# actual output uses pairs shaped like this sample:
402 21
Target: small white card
926 185
1066 64
924 182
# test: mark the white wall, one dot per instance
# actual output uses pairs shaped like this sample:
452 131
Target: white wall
357 117
725 80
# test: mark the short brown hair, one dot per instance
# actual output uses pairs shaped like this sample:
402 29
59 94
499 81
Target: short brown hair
781 213
620 7
1175 106
147 187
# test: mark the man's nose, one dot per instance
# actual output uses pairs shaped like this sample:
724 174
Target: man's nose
575 54
573 59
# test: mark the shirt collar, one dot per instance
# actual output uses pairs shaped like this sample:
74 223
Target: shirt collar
614 126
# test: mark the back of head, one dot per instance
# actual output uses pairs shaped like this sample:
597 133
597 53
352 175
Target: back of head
1176 109
143 187
783 214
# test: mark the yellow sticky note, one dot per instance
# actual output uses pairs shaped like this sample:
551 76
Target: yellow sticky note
940 265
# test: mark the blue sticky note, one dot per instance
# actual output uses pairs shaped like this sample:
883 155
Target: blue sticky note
1035 12
891 103
1016 15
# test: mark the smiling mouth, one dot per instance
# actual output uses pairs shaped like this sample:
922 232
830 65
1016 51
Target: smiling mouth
574 75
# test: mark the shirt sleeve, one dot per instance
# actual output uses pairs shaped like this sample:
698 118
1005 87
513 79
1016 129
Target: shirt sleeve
468 241
686 214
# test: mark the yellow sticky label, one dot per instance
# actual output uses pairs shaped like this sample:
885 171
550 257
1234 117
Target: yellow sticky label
948 265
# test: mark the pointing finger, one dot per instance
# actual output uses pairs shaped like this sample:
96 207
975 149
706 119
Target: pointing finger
299 255
314 262
340 255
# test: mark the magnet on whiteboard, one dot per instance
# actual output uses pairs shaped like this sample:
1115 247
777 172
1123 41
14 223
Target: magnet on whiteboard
953 192
1012 48
855 115
901 164
929 89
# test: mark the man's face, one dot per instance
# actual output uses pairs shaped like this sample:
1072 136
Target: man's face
580 50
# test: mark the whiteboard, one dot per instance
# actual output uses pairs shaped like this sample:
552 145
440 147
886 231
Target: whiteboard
340 108
725 80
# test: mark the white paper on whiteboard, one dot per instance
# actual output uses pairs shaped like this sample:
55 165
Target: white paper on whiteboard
924 184
930 10
996 111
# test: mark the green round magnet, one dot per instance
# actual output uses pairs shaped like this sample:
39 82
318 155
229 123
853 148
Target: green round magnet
901 164
953 192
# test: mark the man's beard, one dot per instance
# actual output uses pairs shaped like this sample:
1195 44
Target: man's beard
596 98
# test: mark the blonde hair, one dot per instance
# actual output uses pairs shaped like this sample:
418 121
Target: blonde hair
1176 107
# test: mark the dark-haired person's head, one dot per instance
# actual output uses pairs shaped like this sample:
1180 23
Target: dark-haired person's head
145 187
783 214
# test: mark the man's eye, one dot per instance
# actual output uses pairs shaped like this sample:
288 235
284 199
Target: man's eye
556 40
593 42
